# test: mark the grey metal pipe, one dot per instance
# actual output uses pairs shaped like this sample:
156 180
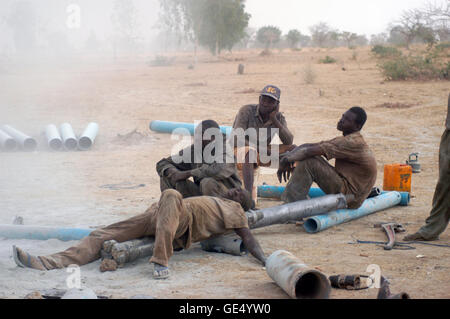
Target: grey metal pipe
26 142
129 251
295 278
53 138
88 137
7 143
232 245
295 211
68 136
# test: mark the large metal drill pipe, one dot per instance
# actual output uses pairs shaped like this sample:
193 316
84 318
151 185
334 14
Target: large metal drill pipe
270 191
371 205
42 232
26 142
187 128
54 140
297 279
7 143
295 211
88 137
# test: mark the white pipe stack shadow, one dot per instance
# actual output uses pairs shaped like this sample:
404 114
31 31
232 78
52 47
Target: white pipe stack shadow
54 140
26 142
7 143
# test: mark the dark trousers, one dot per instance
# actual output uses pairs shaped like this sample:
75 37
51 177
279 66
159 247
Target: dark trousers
437 222
314 169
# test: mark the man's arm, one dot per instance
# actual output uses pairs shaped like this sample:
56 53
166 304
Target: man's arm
251 244
286 137
303 152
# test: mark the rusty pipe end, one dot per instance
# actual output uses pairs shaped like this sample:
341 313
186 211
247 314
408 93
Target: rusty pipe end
312 285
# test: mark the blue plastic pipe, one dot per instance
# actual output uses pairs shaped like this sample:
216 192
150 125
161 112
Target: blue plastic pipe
42 232
269 191
182 128
371 205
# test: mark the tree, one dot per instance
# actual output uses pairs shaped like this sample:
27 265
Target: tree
268 36
216 24
23 22
125 23
410 25
349 38
293 37
437 17
320 34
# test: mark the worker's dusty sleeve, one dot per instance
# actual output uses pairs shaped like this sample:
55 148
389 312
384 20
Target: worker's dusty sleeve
240 122
215 170
339 147
284 134
178 162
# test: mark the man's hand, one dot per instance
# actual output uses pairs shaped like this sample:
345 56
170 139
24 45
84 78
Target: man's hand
285 169
273 115
178 176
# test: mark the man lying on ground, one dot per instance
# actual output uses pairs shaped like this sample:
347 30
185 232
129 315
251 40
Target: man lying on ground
266 120
355 170
211 176
173 221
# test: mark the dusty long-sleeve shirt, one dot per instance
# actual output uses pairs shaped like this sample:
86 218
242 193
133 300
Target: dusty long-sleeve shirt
222 168
249 117
447 123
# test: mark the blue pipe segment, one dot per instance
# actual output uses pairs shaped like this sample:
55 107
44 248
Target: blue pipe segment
42 232
371 205
182 128
269 191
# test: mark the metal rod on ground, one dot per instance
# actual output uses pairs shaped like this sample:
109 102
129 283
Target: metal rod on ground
42 232
26 142
68 136
7 143
54 140
180 128
297 279
371 205
88 137
295 211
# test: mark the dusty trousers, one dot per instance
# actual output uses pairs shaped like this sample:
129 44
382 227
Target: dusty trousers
314 169
439 217
167 221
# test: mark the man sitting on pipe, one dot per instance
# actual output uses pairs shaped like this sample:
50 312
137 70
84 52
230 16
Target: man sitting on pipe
355 169
213 174
257 124
174 222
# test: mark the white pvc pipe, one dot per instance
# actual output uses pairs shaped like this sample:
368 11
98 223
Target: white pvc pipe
68 136
88 137
26 142
53 138
7 142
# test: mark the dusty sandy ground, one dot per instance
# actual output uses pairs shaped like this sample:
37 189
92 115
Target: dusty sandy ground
64 188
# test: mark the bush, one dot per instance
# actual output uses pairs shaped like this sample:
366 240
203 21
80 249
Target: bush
414 68
161 60
383 52
328 60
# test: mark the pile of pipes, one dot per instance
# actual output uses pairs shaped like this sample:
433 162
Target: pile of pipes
64 138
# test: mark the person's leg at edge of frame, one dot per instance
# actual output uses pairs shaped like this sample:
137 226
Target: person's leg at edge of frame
172 222
438 220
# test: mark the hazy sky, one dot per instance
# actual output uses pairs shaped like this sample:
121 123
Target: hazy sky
360 16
